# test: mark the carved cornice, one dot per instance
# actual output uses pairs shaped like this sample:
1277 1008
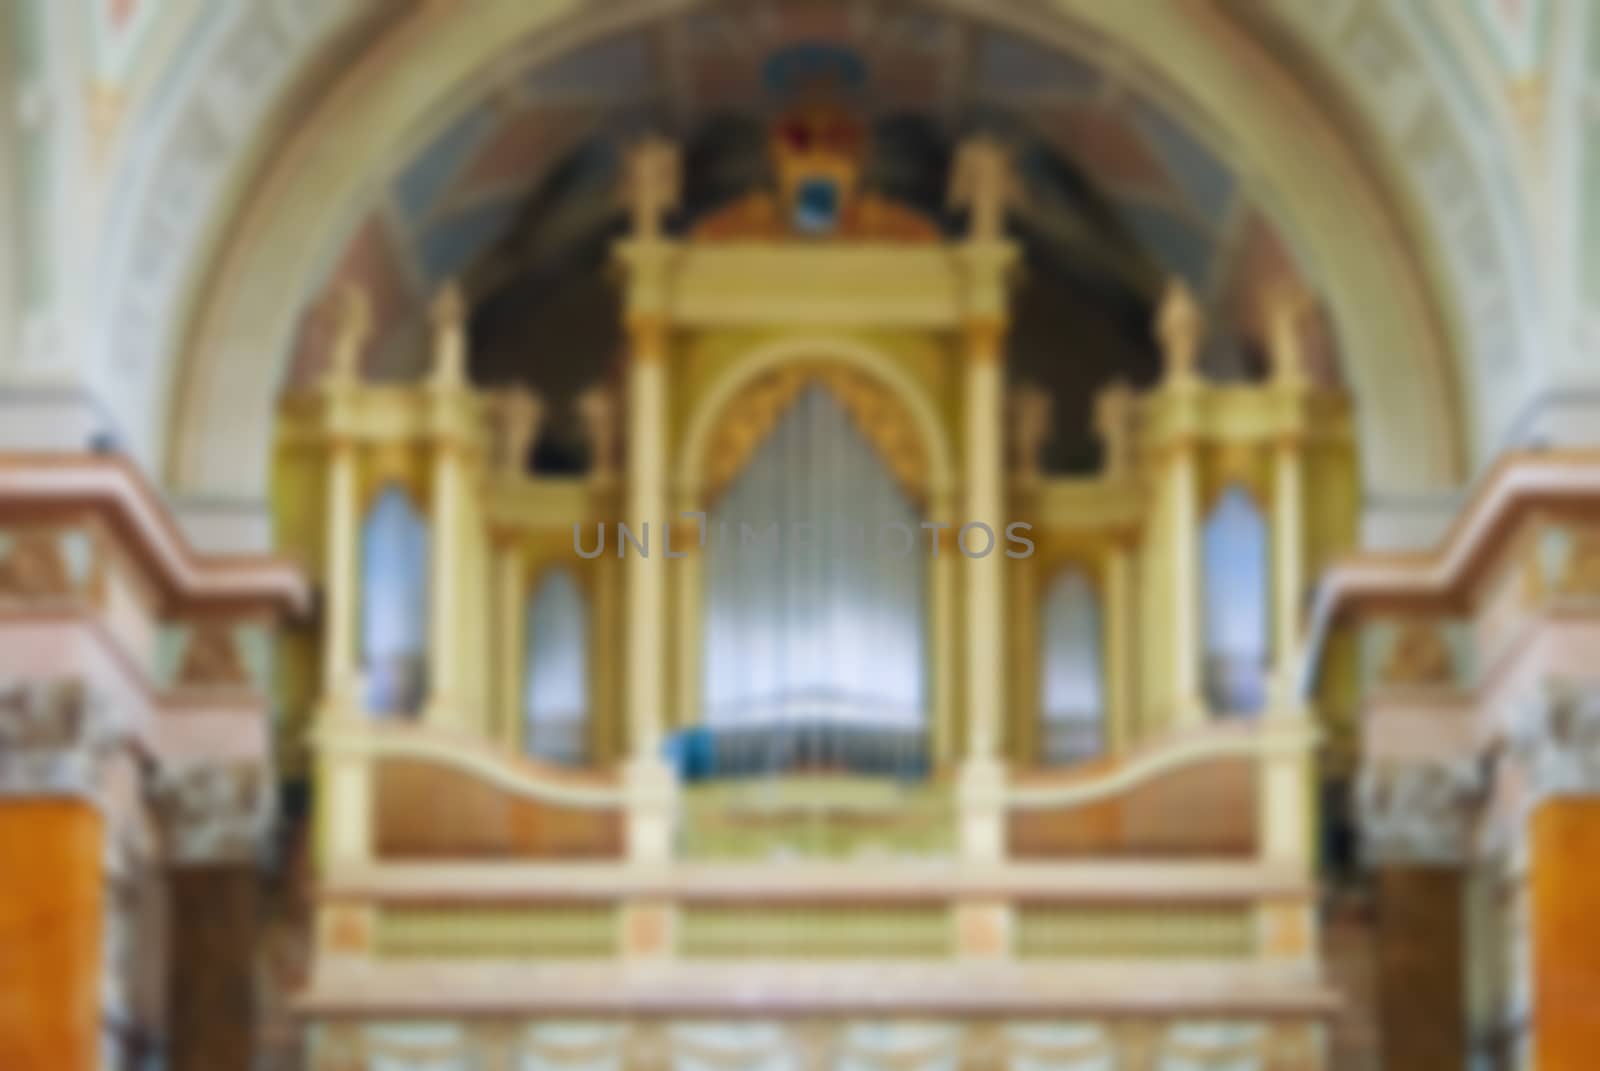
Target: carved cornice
1419 811
215 812
113 488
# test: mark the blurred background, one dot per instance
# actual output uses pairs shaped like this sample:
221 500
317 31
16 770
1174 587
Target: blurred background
446 451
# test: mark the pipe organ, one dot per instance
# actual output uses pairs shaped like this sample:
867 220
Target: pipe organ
592 765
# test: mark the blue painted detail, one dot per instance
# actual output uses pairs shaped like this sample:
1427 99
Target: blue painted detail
424 181
1172 241
618 67
451 244
1007 62
1205 181
816 206
790 70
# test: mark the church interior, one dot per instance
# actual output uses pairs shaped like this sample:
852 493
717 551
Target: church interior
783 535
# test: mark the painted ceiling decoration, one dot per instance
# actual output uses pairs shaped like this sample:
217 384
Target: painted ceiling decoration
519 189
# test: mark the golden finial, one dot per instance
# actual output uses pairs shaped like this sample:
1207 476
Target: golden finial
653 185
517 413
1179 325
598 410
352 332
985 186
449 316
1030 426
1287 303
1113 410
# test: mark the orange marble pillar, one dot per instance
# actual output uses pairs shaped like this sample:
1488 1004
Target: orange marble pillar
51 910
1565 844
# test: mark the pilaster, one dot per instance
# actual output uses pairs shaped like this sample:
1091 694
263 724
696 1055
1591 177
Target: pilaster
1179 328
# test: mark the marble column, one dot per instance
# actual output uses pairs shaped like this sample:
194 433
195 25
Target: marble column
56 836
1557 745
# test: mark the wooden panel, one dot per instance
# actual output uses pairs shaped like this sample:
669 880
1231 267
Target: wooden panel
1178 931
426 810
1421 981
1207 809
815 931
51 907
565 931
1566 934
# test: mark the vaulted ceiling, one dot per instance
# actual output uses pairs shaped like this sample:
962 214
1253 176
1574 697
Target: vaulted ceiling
517 191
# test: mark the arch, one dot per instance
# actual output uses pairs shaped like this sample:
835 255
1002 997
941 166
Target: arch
1072 685
394 604
555 695
1379 293
717 400
1237 597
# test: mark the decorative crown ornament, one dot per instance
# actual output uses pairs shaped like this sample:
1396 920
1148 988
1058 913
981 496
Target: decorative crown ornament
817 145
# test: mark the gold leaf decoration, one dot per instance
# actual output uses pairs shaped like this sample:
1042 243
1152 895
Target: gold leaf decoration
872 407
212 659
1419 656
34 568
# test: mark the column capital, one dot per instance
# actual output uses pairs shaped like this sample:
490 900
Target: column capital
215 812
647 336
1557 740
985 338
53 738
1418 811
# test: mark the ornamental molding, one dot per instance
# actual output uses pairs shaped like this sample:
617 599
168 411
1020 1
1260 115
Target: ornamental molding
215 812
1419 811
1557 740
53 739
